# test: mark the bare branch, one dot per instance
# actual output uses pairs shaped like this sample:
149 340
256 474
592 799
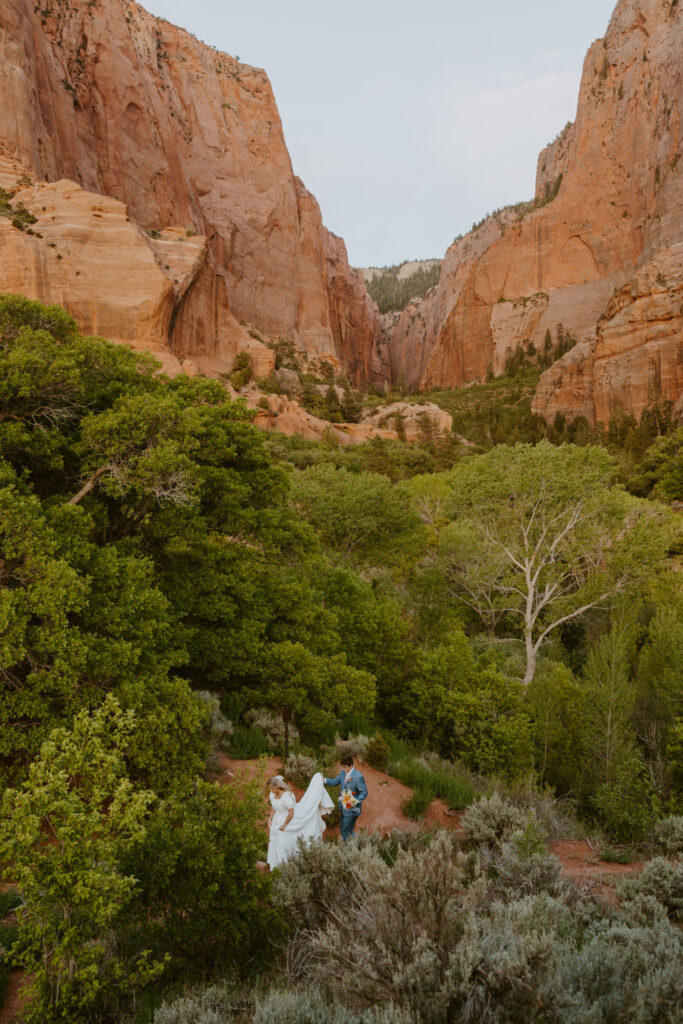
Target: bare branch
89 484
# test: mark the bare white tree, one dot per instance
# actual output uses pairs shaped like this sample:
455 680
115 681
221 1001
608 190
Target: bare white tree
540 537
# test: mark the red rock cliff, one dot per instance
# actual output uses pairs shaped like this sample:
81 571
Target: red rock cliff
618 203
126 105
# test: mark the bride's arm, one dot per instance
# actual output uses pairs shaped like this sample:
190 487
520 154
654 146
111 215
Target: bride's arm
290 815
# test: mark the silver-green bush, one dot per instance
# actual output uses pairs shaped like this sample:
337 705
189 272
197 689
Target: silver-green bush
211 1004
492 937
662 879
616 972
271 725
220 728
355 746
493 820
299 769
311 1007
668 836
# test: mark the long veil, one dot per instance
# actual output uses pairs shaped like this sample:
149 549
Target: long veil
307 821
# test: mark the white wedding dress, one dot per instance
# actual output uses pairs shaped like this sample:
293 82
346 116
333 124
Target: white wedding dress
307 821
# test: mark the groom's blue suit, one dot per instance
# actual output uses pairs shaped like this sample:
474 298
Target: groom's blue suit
355 785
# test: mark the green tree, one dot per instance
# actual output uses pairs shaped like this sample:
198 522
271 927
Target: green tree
660 472
317 689
555 702
202 905
79 621
49 378
615 780
358 515
63 835
468 711
541 536
659 693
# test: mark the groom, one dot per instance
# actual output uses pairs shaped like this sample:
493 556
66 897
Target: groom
351 780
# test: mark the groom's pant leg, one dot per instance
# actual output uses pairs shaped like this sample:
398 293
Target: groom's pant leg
348 823
346 826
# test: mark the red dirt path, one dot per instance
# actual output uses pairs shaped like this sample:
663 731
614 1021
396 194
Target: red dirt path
382 813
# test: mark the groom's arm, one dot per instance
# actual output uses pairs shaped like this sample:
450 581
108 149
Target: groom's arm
362 789
335 782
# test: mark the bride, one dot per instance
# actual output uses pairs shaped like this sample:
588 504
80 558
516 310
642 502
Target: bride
290 821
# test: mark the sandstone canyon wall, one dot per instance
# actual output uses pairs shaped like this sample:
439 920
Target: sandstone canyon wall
129 137
609 204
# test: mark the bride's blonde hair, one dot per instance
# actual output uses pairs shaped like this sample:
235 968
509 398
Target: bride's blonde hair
277 782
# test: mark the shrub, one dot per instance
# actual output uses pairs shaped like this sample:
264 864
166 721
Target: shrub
311 1007
668 835
557 817
428 952
211 1004
219 727
299 769
242 370
416 805
627 808
354 746
272 726
377 752
513 875
248 742
662 879
408 838
442 943
74 890
493 820
616 971
201 903
321 878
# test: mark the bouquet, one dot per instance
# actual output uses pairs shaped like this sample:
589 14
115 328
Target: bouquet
348 800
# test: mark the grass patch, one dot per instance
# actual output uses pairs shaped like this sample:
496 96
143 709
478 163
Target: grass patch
453 788
416 805
617 855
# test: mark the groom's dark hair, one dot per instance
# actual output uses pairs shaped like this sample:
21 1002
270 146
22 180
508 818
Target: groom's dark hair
346 760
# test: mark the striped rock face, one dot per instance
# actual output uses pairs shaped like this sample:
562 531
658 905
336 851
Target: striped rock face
126 106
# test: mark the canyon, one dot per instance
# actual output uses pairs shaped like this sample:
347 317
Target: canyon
167 216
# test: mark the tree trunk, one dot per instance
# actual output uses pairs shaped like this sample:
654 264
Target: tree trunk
530 658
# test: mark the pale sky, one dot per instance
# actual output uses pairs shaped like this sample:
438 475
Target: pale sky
409 120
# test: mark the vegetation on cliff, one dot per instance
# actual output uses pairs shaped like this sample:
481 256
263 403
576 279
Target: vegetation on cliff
393 291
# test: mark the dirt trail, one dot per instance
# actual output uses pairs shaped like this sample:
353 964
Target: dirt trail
382 812
13 1001
382 809
580 860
